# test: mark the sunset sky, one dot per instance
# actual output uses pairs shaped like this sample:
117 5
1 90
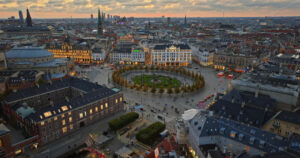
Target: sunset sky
151 8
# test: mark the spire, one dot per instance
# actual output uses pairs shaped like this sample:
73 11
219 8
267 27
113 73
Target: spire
28 19
100 28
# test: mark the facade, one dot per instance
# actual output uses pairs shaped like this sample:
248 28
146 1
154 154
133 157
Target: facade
35 58
61 107
79 54
171 55
133 55
285 124
238 63
204 57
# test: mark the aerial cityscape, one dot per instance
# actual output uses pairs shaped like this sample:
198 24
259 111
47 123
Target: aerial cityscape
150 79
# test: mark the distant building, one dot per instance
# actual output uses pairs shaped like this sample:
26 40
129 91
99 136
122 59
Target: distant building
234 62
21 17
28 19
35 58
100 24
81 54
52 111
128 55
204 57
171 55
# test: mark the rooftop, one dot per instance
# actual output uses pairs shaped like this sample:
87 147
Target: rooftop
27 52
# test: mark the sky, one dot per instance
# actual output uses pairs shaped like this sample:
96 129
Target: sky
150 8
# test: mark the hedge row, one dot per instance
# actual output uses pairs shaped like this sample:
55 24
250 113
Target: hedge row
148 134
123 120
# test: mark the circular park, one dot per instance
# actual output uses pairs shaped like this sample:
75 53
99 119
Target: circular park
158 79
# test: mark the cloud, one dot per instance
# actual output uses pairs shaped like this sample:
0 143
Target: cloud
153 6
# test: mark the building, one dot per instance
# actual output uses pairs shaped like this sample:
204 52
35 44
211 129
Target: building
7 149
80 54
3 65
233 137
234 62
35 58
171 55
204 57
51 111
100 24
284 123
290 61
283 89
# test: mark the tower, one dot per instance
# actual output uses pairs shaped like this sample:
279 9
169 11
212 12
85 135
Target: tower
103 18
28 19
185 20
21 17
100 29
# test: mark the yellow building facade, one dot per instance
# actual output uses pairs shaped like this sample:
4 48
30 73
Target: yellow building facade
80 55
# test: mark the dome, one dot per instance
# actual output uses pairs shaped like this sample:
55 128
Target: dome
28 52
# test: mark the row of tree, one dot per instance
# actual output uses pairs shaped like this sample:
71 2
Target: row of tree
198 84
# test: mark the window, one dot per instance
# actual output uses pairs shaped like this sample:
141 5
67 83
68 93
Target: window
55 118
63 116
69 113
91 111
71 126
121 99
101 107
81 115
63 122
64 108
96 109
42 123
116 101
106 105
64 129
47 114
0 143
70 119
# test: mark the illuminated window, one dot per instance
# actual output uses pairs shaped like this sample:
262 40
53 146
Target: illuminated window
64 108
96 109
121 99
47 114
91 111
106 105
71 126
69 113
116 101
42 123
70 119
63 122
232 134
58 110
41 116
0 143
55 118
101 107
63 116
81 115
64 129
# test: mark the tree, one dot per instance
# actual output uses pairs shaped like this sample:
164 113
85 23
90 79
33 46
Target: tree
145 88
170 90
138 87
153 90
161 90
177 90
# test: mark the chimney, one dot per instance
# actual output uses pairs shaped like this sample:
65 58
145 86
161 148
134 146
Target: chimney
243 104
256 91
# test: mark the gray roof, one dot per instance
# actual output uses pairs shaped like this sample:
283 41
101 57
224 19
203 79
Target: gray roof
69 82
244 134
27 52
3 129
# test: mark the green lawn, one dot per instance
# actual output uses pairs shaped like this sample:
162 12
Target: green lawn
157 81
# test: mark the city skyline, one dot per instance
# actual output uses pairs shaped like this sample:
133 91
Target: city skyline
152 8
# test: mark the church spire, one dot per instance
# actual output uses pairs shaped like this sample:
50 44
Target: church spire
28 19
100 29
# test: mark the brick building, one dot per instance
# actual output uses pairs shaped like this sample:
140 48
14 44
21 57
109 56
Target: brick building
54 110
